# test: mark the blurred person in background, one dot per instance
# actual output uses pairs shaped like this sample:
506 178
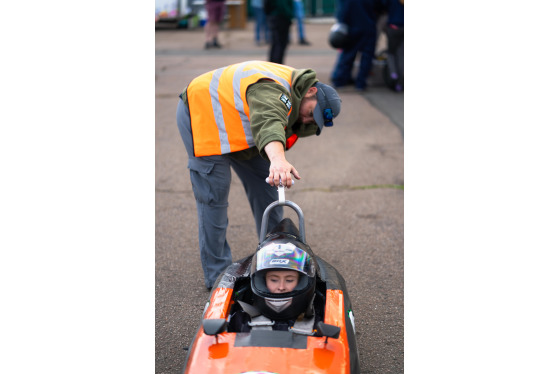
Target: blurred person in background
394 29
216 10
361 18
261 27
279 16
299 13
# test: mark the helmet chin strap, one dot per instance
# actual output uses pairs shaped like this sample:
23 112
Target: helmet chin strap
278 305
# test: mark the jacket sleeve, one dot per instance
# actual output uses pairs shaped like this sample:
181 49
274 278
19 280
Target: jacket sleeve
268 111
342 15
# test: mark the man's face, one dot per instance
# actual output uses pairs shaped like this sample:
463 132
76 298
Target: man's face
281 281
306 110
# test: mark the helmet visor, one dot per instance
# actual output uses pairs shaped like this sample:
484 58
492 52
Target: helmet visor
284 256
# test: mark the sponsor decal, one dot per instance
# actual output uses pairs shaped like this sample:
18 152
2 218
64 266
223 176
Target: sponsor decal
279 261
286 100
351 316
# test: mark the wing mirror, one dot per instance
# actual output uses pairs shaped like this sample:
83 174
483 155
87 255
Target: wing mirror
214 326
328 331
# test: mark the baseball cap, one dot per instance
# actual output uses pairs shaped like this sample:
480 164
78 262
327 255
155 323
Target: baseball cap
328 106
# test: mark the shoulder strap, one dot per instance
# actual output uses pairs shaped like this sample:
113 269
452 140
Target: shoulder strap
249 309
261 323
258 321
306 321
304 326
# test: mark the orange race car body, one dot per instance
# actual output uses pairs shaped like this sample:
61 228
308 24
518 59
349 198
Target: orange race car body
330 348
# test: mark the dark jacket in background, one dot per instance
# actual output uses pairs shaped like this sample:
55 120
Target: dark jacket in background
395 12
361 18
284 8
279 15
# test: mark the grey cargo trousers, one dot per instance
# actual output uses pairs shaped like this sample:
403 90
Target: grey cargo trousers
211 180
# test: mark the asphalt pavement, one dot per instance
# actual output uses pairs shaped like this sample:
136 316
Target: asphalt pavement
351 194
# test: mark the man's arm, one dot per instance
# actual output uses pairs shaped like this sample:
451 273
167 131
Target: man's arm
280 168
269 117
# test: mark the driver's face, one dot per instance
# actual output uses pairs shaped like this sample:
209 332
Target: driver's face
281 281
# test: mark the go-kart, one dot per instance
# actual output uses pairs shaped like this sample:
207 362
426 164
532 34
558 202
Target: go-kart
329 346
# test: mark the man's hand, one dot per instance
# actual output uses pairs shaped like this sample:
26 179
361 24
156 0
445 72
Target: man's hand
280 168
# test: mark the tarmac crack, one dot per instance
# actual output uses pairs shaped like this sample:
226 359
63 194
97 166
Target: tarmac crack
353 188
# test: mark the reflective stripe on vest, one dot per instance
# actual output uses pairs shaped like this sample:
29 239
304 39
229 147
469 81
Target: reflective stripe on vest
219 110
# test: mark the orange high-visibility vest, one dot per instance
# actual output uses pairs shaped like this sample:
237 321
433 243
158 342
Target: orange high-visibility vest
218 105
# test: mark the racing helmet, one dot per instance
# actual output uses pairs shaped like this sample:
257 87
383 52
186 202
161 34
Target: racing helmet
282 256
338 35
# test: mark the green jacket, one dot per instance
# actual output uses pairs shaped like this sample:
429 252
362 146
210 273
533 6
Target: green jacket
269 109
283 8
